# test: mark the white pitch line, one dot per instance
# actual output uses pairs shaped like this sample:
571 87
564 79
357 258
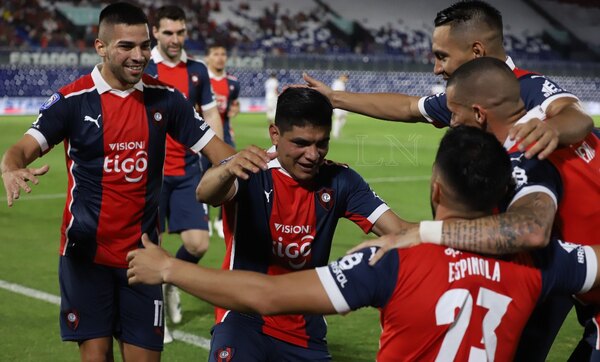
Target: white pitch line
397 179
33 197
185 337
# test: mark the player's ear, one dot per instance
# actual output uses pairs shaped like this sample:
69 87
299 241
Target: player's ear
154 31
478 49
480 115
274 133
100 48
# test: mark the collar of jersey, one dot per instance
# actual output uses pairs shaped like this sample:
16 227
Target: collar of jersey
214 76
510 63
102 86
158 58
535 112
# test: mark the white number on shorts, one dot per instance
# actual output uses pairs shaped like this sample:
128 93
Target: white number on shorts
158 313
461 299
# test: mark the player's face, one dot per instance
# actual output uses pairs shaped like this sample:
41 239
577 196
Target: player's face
216 59
461 114
450 51
170 36
125 52
301 150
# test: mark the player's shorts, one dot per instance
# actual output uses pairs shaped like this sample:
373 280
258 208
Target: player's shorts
96 302
179 208
239 338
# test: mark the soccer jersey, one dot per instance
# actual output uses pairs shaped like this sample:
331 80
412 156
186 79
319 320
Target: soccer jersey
227 90
114 148
438 303
190 77
571 176
536 90
275 225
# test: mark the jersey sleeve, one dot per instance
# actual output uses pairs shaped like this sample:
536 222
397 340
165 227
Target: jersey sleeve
187 126
363 206
206 98
351 283
435 110
50 127
566 268
235 92
533 175
538 90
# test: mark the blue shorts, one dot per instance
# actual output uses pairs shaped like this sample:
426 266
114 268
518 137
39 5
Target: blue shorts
240 339
96 302
178 206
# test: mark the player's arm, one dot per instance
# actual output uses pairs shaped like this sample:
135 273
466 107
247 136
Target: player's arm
213 118
390 223
15 173
387 106
566 123
526 224
217 184
244 291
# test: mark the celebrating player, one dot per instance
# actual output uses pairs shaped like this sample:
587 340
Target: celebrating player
113 123
282 216
227 90
436 303
464 31
178 207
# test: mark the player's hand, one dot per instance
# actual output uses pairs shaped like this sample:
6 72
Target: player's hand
234 109
405 239
320 87
148 265
16 180
535 136
248 161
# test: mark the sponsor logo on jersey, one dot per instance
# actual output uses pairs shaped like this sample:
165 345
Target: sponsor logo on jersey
569 247
93 120
296 254
292 229
132 165
585 152
549 89
50 101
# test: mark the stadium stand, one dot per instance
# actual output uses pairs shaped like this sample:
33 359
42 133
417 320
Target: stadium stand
386 45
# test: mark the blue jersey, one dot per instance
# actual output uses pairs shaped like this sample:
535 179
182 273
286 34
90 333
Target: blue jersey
274 226
440 302
227 90
114 148
536 90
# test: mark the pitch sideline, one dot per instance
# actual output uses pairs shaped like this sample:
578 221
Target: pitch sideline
53 299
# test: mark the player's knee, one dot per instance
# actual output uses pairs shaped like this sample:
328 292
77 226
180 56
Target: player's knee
96 352
197 246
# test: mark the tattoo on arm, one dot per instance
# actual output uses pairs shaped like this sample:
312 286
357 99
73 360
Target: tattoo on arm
527 224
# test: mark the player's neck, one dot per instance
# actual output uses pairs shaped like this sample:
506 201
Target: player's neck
112 80
450 213
217 72
501 127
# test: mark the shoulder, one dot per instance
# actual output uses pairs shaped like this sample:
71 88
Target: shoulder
81 85
196 64
232 78
151 82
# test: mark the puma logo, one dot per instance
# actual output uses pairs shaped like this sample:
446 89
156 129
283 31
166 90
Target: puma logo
94 121
268 194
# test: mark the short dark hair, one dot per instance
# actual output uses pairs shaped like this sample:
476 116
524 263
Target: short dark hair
122 13
474 165
470 11
480 67
215 45
172 12
300 106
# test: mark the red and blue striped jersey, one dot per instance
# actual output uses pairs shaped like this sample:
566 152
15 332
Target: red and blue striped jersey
190 77
114 148
571 176
227 90
275 225
536 90
438 303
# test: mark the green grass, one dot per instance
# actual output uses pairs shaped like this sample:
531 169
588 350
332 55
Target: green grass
29 240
